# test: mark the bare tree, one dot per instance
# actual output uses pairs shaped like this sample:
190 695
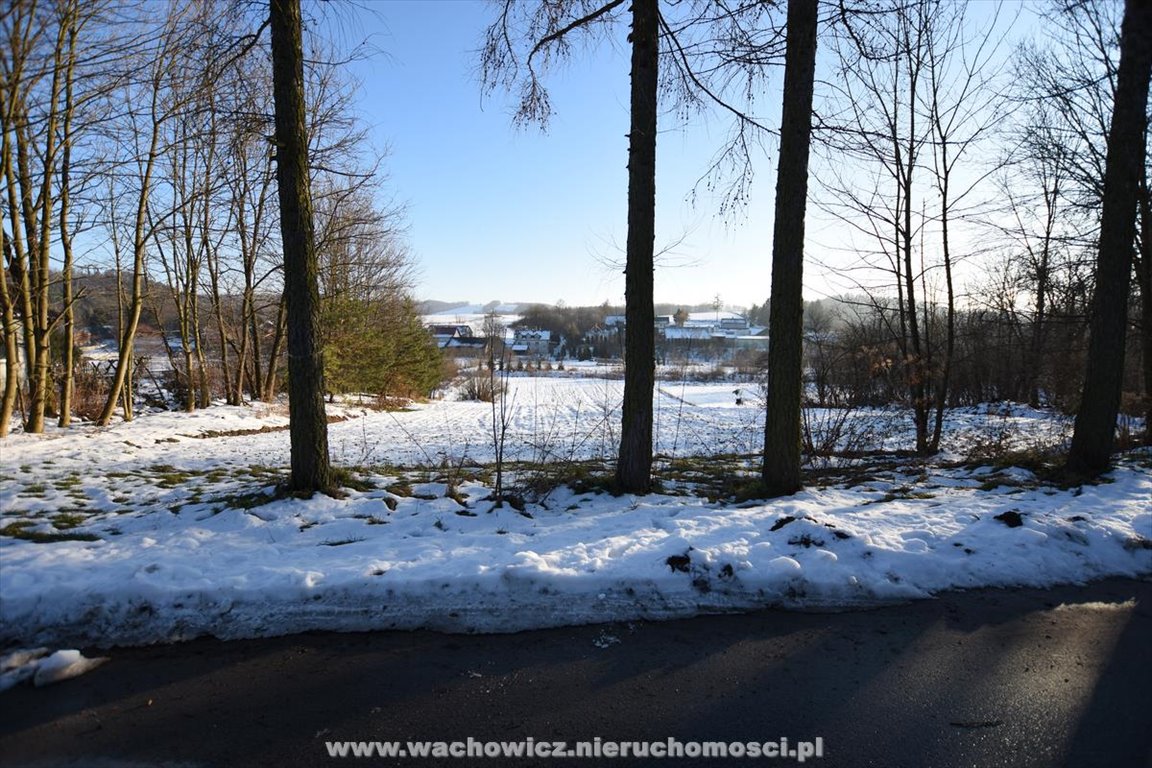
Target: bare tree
148 104
1094 434
1075 75
963 106
1033 188
183 235
31 108
252 202
9 327
1143 268
914 104
49 78
71 21
310 469
781 467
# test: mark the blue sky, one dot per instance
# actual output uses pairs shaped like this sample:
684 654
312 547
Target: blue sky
513 214
497 212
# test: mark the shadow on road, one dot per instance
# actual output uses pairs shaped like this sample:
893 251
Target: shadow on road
1014 678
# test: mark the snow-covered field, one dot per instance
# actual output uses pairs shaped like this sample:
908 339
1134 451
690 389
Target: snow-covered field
168 528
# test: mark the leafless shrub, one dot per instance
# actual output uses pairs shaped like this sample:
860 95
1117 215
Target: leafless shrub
828 432
90 390
481 384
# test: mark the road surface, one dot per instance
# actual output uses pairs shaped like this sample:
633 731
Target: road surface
989 678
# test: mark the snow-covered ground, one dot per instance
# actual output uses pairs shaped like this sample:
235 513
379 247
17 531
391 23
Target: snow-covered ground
168 528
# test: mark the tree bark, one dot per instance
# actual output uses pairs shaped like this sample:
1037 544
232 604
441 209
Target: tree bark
11 355
68 363
1043 278
634 463
268 386
781 469
1144 276
39 259
1095 429
308 428
944 173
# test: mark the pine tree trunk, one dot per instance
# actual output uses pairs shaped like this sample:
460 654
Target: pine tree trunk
308 428
634 464
781 469
1095 429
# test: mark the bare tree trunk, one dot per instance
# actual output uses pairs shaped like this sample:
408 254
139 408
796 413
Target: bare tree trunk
1040 321
121 381
39 390
131 307
914 361
1144 276
69 311
12 254
11 354
268 386
232 391
1095 429
18 174
308 422
782 430
634 464
943 178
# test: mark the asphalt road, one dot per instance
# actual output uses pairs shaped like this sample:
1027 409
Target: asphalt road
1025 678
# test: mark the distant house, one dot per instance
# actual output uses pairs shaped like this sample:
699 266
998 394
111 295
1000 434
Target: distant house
604 334
687 333
532 342
619 321
19 361
714 338
456 337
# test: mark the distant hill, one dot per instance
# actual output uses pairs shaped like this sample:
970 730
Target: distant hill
433 307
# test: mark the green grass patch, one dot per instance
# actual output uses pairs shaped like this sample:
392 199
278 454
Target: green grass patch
251 500
170 480
64 521
346 478
261 472
71 481
23 529
370 519
400 488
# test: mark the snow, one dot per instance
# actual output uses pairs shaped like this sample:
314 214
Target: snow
168 527
475 316
43 668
